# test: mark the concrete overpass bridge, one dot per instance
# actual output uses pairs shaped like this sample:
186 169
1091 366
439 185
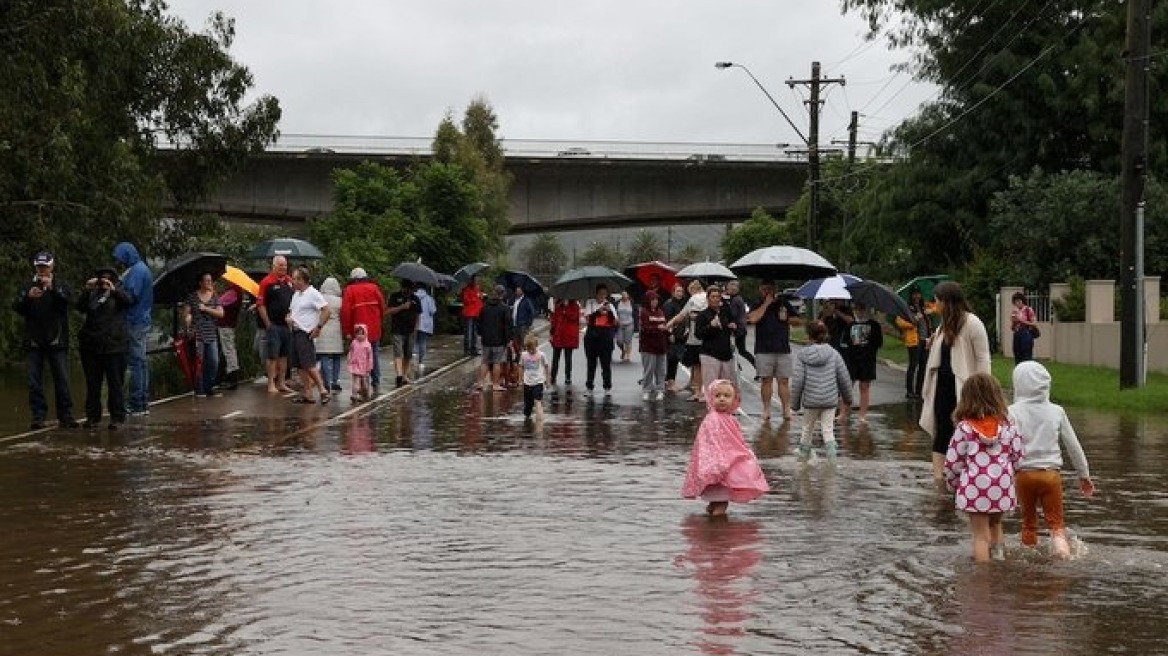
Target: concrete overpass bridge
558 186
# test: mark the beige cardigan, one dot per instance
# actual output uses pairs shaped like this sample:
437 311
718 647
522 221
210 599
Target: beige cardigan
969 354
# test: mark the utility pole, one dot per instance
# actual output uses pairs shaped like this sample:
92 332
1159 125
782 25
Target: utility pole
813 105
1132 179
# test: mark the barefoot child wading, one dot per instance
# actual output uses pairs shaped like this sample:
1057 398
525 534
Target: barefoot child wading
979 465
722 468
535 375
1042 424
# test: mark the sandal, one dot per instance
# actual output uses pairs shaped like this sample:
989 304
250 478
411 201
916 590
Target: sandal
303 399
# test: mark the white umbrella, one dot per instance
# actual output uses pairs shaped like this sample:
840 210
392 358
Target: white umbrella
832 287
709 271
783 263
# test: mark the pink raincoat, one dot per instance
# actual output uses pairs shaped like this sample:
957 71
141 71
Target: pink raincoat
721 466
360 353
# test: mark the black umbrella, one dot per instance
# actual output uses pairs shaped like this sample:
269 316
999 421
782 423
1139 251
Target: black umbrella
877 296
447 281
581 283
180 276
296 249
465 273
513 279
417 272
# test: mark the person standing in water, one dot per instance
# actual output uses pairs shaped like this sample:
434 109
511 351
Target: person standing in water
1039 483
722 468
980 462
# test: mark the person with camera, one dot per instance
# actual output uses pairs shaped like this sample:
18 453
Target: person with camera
104 343
44 304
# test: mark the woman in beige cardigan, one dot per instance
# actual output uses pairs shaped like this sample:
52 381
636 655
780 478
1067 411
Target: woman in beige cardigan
957 350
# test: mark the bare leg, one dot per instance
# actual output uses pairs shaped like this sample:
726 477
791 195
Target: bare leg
270 368
718 508
766 389
939 471
785 396
979 524
282 375
865 397
695 380
539 412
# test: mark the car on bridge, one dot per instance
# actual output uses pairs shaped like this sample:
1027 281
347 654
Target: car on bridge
574 152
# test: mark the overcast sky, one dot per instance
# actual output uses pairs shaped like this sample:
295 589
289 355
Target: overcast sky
637 70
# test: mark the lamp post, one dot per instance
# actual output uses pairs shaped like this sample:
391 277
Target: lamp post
812 143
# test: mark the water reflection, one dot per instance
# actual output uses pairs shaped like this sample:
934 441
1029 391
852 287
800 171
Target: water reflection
254 536
721 555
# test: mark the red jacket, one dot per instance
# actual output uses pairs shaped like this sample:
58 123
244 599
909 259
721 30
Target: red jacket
363 302
472 301
566 325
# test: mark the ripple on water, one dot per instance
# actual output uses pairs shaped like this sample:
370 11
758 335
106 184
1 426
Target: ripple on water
567 540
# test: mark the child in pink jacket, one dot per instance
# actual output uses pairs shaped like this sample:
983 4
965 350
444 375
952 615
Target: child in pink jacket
360 362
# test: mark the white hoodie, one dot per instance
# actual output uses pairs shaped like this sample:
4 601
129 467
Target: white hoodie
1041 423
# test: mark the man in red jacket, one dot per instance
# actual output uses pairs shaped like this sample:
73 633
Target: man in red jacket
363 302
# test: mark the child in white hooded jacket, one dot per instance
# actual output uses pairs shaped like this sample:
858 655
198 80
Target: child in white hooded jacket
1038 482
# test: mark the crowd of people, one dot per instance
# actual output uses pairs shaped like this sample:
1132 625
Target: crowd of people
112 340
298 329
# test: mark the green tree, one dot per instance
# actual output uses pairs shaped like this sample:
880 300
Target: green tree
646 247
88 91
368 227
688 254
477 150
545 257
602 254
1023 85
759 231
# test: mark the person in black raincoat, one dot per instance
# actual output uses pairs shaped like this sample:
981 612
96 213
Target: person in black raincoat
104 344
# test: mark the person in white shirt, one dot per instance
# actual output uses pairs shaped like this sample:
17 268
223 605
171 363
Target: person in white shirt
1038 482
425 326
308 312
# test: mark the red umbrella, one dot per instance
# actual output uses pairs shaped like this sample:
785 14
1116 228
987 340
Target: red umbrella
644 271
188 356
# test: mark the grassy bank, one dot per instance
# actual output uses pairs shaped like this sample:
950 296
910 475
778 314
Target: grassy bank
1094 388
1075 386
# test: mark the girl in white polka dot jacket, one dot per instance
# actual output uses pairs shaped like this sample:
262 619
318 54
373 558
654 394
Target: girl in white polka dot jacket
979 466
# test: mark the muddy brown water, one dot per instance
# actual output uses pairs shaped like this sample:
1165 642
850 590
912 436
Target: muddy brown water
445 524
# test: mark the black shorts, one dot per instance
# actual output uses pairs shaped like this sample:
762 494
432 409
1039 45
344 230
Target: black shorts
693 355
303 352
278 341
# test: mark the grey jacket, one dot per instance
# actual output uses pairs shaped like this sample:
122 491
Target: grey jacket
821 378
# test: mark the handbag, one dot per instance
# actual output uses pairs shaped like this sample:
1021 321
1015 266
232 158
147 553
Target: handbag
1035 333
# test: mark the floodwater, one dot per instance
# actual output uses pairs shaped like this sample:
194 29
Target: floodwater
444 524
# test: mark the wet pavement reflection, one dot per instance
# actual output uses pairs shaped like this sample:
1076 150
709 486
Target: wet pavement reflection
444 523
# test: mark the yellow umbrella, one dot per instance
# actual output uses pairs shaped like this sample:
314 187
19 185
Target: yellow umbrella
237 277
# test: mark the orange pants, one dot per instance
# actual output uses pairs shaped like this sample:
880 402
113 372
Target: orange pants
1039 487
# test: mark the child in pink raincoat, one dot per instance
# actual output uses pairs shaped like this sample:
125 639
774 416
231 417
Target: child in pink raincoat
722 468
360 362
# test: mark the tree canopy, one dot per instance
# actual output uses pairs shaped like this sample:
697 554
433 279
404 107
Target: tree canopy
447 212
1030 105
110 110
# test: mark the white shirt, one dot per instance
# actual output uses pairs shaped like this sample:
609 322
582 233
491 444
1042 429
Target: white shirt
533 367
305 309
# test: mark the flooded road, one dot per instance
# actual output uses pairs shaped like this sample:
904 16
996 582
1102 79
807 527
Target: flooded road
442 523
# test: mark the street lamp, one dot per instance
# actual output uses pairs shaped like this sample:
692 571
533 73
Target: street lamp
722 65
812 152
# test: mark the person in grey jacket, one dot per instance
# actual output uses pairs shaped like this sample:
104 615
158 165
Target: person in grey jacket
821 380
